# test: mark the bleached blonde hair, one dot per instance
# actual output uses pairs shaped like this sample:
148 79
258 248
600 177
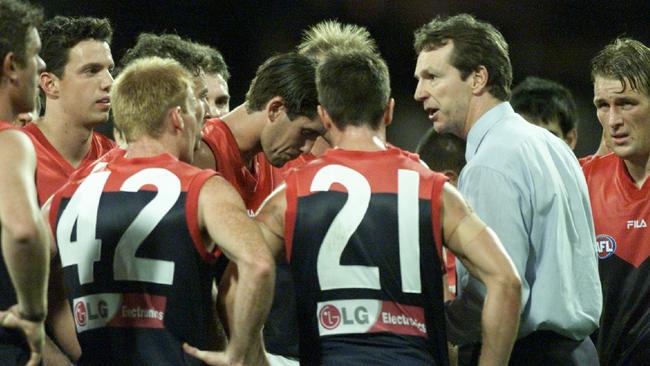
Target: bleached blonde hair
331 35
143 93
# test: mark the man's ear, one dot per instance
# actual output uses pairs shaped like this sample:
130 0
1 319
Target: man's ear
571 138
388 111
452 175
9 67
479 79
49 83
324 117
275 108
175 118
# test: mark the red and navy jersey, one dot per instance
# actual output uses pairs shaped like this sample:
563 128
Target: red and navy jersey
52 170
138 277
621 217
362 235
7 292
280 174
253 185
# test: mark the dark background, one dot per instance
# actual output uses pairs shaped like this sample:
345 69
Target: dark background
550 39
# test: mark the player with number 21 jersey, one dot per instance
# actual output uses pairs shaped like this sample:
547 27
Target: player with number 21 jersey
371 296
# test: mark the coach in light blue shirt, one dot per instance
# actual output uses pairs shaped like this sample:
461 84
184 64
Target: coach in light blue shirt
525 184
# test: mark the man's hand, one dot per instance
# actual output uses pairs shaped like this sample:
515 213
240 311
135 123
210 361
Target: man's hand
222 358
34 332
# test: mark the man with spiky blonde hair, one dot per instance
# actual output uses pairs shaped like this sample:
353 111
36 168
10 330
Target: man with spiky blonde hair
318 41
330 35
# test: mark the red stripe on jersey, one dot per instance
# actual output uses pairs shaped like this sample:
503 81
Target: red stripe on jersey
290 214
436 207
381 182
192 217
372 165
140 311
7 126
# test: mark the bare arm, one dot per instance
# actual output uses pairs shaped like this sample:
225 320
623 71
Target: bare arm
270 218
24 243
60 323
480 250
24 240
223 217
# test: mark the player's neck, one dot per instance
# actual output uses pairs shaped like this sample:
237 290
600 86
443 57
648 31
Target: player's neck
71 140
247 129
359 139
7 112
146 147
639 169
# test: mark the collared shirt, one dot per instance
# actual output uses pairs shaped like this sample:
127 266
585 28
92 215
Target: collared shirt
527 186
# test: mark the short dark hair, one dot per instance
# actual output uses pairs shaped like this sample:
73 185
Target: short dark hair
627 60
354 88
442 152
290 76
16 20
172 46
476 43
214 62
61 34
545 100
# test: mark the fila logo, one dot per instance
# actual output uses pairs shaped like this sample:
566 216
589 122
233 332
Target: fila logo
636 224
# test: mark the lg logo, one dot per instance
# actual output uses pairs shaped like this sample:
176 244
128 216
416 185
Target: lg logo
330 317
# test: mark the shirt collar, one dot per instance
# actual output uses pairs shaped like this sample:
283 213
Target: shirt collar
483 125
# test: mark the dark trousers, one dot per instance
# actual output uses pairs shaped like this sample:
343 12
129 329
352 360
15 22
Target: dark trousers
541 348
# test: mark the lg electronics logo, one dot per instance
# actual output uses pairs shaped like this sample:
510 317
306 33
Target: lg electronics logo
80 314
606 246
330 317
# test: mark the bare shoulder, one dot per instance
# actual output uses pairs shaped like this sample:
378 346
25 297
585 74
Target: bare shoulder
218 189
14 141
453 202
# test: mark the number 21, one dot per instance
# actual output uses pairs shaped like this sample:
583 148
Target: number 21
333 275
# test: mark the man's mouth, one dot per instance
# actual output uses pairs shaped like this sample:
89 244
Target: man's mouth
619 138
104 102
432 112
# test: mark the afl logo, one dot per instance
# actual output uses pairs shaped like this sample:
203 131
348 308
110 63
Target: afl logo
80 313
606 246
329 316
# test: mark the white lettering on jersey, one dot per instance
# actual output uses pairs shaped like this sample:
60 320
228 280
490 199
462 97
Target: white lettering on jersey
636 224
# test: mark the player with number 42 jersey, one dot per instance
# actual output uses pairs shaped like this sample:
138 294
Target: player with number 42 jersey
124 293
138 232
